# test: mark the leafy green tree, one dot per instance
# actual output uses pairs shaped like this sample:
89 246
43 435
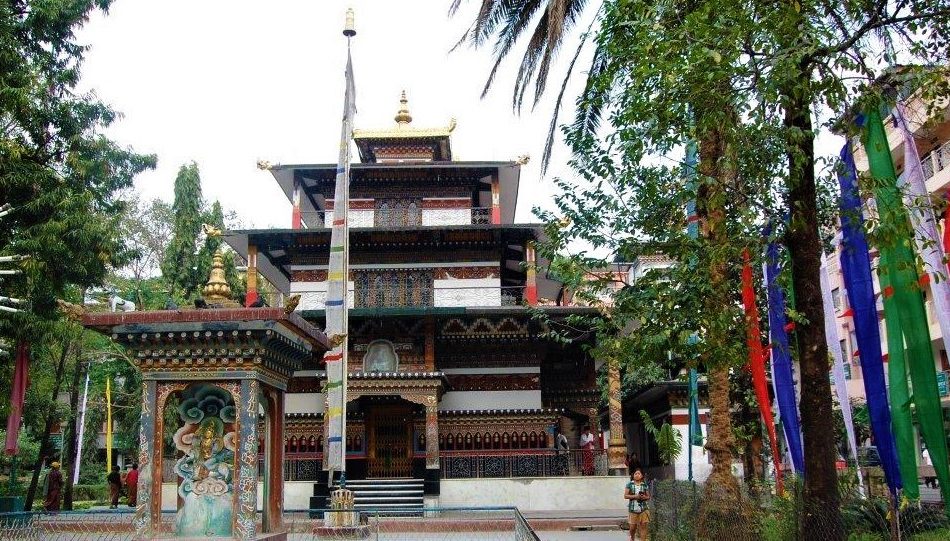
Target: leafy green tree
181 264
59 173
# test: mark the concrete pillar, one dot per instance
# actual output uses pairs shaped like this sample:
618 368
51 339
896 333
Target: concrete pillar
295 219
531 279
495 200
251 296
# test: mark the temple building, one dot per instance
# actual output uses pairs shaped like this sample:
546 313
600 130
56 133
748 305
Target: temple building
452 370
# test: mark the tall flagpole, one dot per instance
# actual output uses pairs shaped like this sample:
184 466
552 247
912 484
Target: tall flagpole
338 277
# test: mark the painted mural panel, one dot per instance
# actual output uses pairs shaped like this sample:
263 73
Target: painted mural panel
207 438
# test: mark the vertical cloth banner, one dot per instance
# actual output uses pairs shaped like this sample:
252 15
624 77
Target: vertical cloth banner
781 357
21 377
692 229
695 436
108 424
899 389
856 266
901 268
922 217
81 431
837 367
757 365
337 302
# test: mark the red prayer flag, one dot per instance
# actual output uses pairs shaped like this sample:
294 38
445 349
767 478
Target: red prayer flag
17 396
757 364
946 230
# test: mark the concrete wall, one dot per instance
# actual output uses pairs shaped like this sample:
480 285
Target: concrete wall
536 493
303 403
485 400
467 292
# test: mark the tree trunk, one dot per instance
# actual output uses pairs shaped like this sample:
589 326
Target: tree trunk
69 446
821 519
44 449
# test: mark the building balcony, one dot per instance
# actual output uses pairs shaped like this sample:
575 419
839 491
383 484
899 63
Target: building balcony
461 293
372 217
936 167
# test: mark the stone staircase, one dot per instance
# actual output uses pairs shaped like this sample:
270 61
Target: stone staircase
404 495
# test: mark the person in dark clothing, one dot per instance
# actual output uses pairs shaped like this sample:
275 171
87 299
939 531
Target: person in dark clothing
53 484
115 487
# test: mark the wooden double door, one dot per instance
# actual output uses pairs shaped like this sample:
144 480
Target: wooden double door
389 441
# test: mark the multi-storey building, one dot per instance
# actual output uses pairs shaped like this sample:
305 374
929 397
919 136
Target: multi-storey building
933 143
451 374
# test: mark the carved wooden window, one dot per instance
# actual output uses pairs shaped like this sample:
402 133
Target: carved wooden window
400 212
381 289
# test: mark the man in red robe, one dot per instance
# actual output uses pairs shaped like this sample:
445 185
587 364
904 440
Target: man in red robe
54 484
132 485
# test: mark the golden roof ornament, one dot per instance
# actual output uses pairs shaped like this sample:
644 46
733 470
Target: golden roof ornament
403 117
217 291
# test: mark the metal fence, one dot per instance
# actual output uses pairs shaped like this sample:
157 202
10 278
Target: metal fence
539 463
681 510
432 524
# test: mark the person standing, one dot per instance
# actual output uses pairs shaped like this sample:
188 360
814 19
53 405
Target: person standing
132 485
929 480
115 487
587 444
53 485
637 495
561 451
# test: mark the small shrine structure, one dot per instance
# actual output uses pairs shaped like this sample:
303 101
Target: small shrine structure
224 370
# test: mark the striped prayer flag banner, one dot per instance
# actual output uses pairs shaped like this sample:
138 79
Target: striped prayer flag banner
336 306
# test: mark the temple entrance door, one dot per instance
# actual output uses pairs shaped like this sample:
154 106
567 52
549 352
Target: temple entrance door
390 441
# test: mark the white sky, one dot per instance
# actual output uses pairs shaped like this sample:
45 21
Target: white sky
226 83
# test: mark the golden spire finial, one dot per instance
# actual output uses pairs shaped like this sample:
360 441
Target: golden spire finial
403 116
217 290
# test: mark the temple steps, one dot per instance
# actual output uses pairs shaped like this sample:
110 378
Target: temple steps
398 495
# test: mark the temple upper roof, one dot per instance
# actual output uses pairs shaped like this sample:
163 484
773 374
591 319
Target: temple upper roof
403 142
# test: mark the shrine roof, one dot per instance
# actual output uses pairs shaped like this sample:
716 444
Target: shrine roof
277 245
209 319
312 176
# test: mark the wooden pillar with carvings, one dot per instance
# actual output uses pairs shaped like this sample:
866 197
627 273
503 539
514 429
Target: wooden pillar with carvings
433 470
616 447
274 467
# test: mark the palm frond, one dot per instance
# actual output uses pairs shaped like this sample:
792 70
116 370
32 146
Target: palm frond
552 127
513 29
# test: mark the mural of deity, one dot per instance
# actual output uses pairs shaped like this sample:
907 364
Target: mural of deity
207 469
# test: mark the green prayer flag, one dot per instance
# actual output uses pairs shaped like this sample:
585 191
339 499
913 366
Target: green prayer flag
696 431
900 265
898 392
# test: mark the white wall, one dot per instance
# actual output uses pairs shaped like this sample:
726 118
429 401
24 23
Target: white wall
356 218
313 295
303 403
461 216
537 493
467 292
485 400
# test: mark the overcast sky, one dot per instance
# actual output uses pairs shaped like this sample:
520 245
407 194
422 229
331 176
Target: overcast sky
226 83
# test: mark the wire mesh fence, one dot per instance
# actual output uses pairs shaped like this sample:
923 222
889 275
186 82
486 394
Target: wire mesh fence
430 524
681 510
